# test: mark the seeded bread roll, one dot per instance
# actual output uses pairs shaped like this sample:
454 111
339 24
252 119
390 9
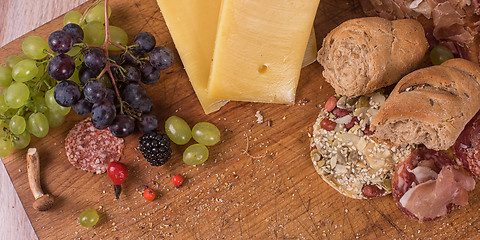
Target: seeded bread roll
430 106
365 54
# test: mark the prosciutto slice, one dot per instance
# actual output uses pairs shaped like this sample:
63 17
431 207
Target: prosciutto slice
427 185
431 199
453 21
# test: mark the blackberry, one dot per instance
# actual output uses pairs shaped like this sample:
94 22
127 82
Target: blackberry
155 147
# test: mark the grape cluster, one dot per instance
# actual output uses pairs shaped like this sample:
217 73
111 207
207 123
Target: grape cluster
77 67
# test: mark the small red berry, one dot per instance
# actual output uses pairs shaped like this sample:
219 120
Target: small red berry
117 172
149 194
177 180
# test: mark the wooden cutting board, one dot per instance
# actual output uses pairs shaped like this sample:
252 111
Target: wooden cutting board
259 182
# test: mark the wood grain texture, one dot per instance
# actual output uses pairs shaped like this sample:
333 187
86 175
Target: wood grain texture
259 182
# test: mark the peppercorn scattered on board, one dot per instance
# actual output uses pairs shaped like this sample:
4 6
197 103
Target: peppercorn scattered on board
258 182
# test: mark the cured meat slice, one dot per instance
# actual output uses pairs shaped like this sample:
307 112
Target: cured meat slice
427 185
467 147
91 149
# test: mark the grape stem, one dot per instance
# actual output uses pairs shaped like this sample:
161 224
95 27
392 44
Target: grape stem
108 64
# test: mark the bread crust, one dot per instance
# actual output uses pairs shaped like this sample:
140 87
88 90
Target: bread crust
364 54
430 106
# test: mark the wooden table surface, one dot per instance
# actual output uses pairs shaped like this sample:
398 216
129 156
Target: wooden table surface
13 24
258 184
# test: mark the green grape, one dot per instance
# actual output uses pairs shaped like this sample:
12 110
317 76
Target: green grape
206 133
88 218
17 124
3 106
75 77
12 60
97 13
74 51
21 141
178 130
25 70
53 105
440 54
34 47
16 95
5 76
94 33
72 17
54 119
5 146
118 36
3 129
38 125
195 154
39 103
41 70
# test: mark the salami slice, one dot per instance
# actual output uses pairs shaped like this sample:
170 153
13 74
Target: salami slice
428 184
91 149
467 147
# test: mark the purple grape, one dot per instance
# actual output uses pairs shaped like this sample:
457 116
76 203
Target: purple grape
94 91
149 123
133 93
132 74
145 105
60 42
85 74
103 114
95 58
67 93
145 41
161 58
74 31
122 126
61 67
111 96
82 107
150 75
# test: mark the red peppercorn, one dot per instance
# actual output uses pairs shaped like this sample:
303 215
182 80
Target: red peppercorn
331 103
149 194
117 172
177 180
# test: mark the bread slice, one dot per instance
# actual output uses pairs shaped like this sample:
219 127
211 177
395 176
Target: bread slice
430 106
364 54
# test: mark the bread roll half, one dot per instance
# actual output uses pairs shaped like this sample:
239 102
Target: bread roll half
364 54
430 106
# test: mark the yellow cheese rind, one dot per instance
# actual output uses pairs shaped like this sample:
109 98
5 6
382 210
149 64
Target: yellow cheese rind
311 51
259 49
193 27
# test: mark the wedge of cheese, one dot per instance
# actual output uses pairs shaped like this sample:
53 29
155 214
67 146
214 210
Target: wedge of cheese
259 49
193 27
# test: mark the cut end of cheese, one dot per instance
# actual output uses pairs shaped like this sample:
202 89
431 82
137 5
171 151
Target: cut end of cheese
311 51
193 27
259 49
